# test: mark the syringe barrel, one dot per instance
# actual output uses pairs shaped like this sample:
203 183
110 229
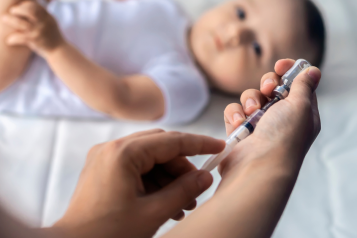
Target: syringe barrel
215 160
242 132
246 129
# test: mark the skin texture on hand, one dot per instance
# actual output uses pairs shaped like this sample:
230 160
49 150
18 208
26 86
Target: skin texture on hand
295 120
260 173
130 187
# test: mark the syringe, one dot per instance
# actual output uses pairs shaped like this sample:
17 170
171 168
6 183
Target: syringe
248 127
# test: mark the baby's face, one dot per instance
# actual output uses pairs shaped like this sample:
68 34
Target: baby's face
239 41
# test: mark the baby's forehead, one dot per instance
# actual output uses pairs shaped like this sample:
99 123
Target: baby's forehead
284 3
292 8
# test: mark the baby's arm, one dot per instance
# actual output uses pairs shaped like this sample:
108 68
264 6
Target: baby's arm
13 60
133 97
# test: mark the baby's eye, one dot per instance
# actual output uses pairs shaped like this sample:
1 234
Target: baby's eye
241 13
257 49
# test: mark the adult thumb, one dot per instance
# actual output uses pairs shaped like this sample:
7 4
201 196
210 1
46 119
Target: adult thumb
305 84
179 194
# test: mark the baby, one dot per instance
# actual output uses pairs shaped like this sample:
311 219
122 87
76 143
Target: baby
142 59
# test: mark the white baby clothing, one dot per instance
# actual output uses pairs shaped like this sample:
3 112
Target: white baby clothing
132 37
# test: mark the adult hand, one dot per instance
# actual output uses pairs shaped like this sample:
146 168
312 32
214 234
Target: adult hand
260 173
131 186
288 128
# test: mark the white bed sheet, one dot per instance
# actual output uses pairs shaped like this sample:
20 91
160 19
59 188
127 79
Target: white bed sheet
41 159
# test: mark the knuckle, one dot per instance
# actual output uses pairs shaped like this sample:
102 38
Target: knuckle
189 190
94 151
119 142
158 130
175 134
109 147
127 148
155 208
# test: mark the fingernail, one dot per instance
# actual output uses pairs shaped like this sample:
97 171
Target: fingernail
315 75
204 180
268 81
250 103
237 117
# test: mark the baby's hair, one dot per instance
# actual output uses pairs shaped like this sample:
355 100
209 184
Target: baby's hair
316 31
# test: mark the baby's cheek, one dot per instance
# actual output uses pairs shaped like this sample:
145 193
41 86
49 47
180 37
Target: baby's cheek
235 71
234 78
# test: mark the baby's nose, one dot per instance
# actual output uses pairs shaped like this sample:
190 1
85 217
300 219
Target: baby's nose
234 34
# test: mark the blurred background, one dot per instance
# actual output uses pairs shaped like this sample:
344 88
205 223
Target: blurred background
41 158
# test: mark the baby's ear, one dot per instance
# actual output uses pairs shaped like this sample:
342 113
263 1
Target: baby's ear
282 66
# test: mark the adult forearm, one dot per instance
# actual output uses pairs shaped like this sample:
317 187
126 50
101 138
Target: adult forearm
248 203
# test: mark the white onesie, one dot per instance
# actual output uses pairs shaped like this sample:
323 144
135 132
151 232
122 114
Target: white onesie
131 37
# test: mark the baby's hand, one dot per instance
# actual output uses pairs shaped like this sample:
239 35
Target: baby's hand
35 28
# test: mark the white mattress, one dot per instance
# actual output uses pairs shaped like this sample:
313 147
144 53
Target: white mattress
41 159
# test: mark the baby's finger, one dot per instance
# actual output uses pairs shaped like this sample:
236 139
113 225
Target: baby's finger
19 24
252 100
233 117
17 39
268 83
282 66
28 9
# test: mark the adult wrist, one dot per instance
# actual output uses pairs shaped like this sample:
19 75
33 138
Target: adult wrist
270 161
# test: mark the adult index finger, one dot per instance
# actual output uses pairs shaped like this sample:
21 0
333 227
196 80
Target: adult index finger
161 148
